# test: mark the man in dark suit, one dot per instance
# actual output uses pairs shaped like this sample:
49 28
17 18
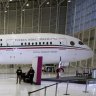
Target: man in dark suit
31 74
19 73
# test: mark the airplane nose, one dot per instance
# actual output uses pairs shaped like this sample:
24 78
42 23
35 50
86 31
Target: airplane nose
90 53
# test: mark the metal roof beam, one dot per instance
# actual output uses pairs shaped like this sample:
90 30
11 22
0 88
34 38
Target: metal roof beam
2 3
42 3
61 2
24 4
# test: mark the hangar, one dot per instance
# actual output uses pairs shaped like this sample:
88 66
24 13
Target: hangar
71 17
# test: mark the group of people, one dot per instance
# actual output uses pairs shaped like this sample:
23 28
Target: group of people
30 74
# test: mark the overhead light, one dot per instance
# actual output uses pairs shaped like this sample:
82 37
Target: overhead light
23 9
27 4
5 11
7 6
10 0
69 0
47 3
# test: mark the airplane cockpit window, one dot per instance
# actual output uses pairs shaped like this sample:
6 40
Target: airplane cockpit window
72 43
81 43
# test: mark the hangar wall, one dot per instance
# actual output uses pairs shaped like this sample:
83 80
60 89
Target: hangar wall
81 23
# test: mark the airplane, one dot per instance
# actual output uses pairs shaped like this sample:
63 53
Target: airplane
22 48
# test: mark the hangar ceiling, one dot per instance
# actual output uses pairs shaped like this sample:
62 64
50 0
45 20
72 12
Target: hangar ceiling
33 3
27 16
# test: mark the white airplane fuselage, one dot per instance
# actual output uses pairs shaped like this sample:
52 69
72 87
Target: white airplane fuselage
22 48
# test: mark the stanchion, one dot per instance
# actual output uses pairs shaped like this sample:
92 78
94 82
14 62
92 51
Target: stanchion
56 89
67 89
86 87
45 91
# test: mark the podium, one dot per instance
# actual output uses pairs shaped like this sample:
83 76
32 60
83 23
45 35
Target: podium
37 66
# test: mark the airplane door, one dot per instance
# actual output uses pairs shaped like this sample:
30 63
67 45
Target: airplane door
10 42
11 53
63 52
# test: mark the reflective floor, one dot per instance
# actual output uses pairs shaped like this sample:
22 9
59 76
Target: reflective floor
8 87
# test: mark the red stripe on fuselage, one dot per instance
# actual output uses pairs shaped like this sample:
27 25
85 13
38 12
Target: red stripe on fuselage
42 47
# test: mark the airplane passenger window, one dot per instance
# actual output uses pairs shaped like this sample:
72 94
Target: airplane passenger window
29 43
0 39
25 43
50 43
32 43
72 43
1 44
47 43
43 43
35 43
21 43
39 43
60 42
81 43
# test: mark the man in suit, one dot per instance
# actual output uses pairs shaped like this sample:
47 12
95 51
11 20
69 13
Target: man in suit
19 74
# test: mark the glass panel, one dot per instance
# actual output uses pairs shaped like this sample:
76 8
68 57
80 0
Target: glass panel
86 36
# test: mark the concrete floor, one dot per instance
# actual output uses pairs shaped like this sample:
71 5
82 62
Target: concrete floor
8 87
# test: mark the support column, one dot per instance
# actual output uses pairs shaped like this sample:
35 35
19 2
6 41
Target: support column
37 66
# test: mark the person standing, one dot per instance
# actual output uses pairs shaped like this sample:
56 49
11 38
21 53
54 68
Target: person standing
31 74
19 73
57 71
